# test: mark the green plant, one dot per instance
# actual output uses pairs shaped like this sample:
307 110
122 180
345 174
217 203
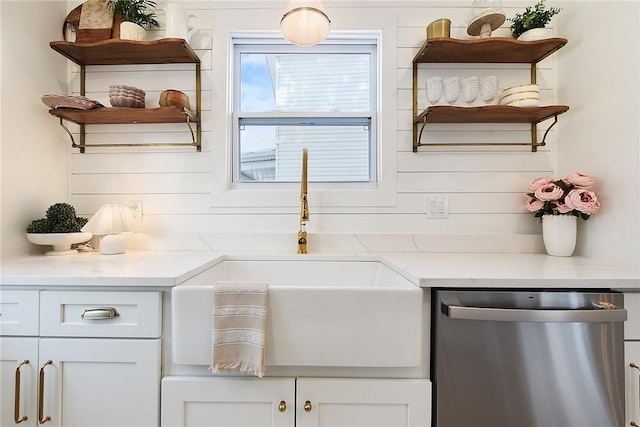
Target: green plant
137 11
536 17
61 218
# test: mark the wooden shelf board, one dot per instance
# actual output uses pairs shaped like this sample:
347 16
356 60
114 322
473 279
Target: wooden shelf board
120 52
123 115
489 114
489 50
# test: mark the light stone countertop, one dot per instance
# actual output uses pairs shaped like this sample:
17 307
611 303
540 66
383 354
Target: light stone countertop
170 268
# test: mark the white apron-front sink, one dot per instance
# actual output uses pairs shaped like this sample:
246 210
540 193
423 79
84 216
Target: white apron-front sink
320 313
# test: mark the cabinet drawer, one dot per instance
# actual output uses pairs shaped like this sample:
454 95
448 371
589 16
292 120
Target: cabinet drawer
632 325
18 312
100 314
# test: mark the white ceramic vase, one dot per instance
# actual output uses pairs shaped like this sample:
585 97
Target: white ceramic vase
131 31
533 34
559 233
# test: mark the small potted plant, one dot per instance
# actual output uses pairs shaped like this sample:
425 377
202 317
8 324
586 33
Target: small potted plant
61 228
559 203
529 25
132 18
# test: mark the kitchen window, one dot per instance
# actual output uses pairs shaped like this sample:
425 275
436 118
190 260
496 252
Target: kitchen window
323 98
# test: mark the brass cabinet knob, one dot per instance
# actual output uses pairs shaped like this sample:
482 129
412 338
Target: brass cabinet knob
633 365
282 406
633 424
307 406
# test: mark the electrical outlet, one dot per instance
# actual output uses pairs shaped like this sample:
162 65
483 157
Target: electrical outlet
136 210
437 207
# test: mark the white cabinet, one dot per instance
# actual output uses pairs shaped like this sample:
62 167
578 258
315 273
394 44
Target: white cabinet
227 402
362 402
18 357
632 358
632 393
94 359
632 325
100 382
287 402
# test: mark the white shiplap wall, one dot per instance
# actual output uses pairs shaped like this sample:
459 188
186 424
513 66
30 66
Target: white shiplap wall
485 185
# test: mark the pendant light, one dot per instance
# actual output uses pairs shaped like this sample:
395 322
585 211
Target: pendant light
305 23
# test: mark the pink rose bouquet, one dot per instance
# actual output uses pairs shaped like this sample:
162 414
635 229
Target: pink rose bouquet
566 196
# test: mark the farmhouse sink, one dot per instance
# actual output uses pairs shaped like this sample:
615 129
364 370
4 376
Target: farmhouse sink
320 313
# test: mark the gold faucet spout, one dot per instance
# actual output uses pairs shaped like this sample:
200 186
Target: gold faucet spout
304 206
304 203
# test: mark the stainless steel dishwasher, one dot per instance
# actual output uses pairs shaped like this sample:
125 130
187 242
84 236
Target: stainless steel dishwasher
528 358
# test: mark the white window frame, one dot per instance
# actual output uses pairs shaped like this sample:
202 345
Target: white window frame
355 45
267 199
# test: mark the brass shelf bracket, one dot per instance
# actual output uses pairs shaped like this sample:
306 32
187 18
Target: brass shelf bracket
424 123
66 129
544 137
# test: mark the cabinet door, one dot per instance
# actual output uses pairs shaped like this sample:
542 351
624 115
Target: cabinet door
632 356
632 325
370 403
101 382
227 402
13 368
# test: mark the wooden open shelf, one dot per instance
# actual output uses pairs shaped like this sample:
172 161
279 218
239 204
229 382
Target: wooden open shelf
489 114
489 50
497 50
123 52
120 52
123 115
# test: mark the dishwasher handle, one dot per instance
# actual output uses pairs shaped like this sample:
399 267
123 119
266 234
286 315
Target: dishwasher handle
597 315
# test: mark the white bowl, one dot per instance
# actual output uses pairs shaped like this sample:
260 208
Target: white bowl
520 88
525 102
61 242
519 95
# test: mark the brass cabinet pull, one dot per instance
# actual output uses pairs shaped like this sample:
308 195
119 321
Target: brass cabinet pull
16 408
307 406
633 424
99 313
282 406
42 420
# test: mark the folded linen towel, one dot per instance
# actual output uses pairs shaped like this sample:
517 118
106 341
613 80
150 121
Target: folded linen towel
239 327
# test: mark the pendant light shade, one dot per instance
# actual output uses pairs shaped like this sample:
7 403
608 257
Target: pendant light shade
305 23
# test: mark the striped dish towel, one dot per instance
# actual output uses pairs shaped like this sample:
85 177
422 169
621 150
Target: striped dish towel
239 327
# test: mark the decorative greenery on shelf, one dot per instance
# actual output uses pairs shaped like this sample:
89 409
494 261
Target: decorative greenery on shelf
137 11
61 218
536 17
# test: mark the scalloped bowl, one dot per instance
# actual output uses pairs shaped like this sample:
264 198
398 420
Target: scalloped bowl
61 242
126 101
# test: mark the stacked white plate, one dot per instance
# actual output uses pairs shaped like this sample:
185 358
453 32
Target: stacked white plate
521 96
126 96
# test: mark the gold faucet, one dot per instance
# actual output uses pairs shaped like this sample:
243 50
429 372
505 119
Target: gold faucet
304 206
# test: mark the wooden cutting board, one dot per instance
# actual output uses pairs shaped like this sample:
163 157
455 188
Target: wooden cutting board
92 21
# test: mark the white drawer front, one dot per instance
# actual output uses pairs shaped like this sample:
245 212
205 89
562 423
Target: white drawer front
632 325
87 314
18 312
